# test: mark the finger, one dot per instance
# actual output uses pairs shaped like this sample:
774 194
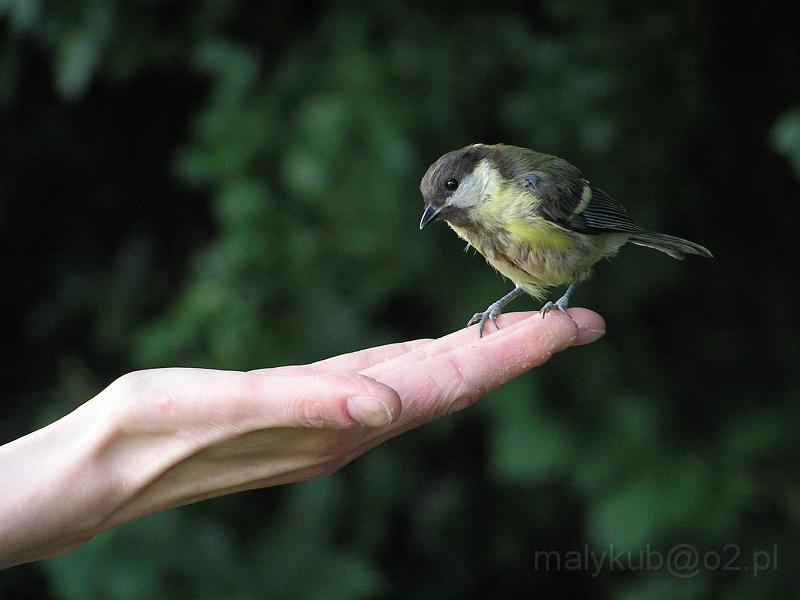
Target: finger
350 362
310 398
362 359
469 335
442 383
591 326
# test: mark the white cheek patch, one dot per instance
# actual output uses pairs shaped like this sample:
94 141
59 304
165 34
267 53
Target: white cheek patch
476 187
468 193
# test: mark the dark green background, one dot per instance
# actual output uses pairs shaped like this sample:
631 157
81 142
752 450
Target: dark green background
233 184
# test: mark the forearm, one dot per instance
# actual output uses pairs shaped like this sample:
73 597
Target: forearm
53 494
158 439
87 472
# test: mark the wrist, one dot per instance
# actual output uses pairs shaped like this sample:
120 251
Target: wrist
56 497
137 449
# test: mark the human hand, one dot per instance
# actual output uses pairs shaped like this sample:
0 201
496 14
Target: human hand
161 438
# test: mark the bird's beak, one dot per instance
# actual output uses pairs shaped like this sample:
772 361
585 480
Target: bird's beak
429 214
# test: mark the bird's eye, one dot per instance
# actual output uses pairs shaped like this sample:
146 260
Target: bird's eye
452 184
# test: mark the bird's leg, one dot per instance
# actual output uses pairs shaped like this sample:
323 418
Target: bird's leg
494 310
562 303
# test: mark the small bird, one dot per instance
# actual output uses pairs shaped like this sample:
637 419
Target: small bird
534 218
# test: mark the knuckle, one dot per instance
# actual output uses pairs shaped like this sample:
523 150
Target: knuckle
466 391
317 414
311 414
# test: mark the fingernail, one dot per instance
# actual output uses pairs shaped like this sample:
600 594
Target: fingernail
587 336
369 411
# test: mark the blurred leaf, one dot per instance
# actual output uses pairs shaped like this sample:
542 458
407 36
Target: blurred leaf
785 136
529 446
672 495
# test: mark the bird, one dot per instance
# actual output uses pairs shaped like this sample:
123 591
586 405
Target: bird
534 218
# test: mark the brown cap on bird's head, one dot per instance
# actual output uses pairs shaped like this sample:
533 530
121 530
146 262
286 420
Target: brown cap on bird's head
445 176
453 165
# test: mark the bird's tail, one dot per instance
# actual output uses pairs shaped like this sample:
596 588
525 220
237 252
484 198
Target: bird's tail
674 246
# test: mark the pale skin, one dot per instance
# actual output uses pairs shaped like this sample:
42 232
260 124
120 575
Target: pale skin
162 438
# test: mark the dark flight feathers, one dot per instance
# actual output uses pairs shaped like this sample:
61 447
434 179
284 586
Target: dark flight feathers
562 191
568 201
602 215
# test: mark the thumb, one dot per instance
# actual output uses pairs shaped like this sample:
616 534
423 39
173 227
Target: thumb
311 398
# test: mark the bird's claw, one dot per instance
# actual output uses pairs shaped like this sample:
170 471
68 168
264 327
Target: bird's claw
559 304
490 314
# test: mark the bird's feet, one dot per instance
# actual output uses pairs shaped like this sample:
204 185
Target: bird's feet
560 304
490 314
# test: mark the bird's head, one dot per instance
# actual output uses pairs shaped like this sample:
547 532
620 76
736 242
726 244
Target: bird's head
457 183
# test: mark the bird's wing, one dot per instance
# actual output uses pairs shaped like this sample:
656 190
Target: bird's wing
568 201
601 214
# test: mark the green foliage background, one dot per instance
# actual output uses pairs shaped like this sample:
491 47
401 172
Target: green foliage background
233 184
